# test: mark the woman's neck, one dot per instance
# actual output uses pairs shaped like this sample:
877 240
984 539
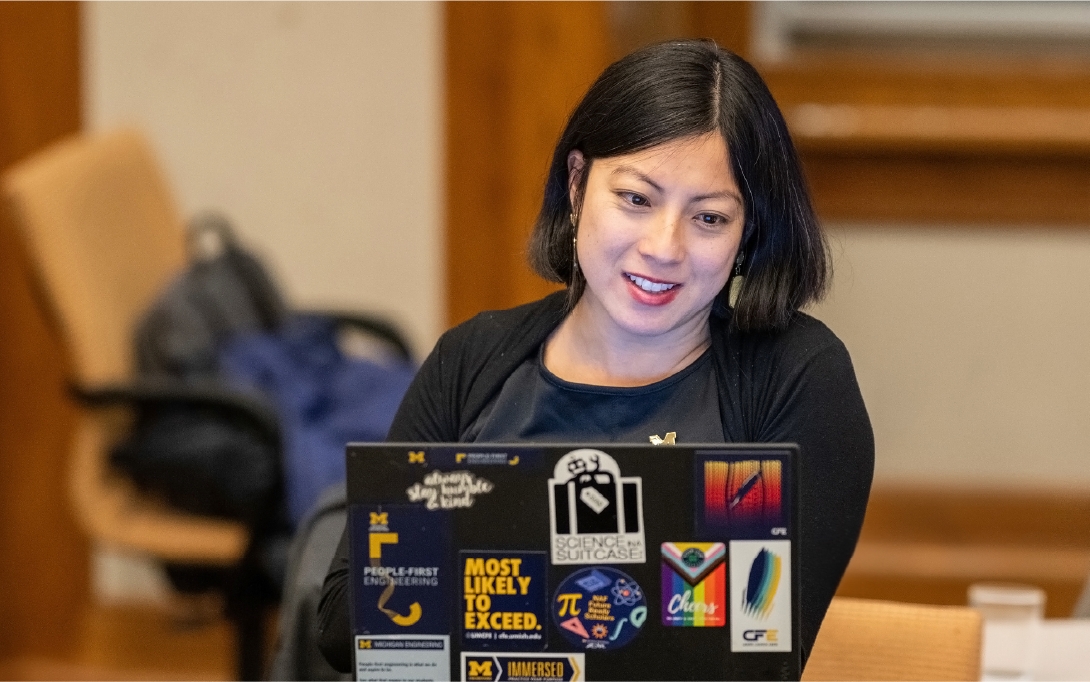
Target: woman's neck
585 352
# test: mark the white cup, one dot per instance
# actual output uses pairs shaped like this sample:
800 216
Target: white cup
1012 624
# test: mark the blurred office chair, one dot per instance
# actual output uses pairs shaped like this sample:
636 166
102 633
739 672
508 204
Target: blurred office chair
864 639
105 238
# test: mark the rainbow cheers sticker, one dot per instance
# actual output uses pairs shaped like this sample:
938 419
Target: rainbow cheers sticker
694 584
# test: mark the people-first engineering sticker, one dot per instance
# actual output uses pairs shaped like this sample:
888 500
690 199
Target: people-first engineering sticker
596 515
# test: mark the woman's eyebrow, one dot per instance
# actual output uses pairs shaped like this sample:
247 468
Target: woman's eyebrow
643 177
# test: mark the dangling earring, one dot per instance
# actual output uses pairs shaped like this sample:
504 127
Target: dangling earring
736 280
574 244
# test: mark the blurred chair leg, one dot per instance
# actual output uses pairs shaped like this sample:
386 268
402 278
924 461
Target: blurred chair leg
250 628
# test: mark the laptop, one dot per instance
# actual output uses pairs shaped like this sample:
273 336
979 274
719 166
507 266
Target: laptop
574 562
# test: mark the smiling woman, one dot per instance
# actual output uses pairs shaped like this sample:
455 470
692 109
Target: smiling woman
677 216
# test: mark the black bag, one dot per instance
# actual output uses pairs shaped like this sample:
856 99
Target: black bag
202 458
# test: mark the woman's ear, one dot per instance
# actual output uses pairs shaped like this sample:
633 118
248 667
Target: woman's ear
576 164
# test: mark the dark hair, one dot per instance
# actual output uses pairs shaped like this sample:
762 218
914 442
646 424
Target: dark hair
679 89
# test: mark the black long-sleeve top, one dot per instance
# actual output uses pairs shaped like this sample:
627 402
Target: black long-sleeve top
796 385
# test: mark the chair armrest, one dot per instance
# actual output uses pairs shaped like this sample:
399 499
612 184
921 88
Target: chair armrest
370 323
148 392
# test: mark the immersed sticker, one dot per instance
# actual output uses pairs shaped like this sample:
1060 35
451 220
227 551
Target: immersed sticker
396 658
398 585
505 601
760 595
449 489
694 584
599 608
478 667
596 515
739 498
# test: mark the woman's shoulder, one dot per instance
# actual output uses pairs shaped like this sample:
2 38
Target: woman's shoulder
525 324
800 342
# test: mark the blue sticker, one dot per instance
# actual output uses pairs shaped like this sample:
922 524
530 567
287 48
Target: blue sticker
398 562
504 600
606 617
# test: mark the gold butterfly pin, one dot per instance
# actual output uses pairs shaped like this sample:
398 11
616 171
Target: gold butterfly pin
668 440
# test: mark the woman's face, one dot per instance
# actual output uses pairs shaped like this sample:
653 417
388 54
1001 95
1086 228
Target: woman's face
658 234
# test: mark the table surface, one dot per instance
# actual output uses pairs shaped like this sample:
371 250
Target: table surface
1061 651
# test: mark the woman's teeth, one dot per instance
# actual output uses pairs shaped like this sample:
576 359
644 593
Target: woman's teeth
649 286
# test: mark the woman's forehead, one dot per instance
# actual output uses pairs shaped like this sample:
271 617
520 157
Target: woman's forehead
701 159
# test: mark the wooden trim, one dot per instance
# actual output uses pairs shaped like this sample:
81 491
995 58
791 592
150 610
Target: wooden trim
514 71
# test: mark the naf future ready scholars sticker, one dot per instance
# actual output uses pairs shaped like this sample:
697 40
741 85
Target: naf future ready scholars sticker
398 586
694 584
596 515
479 667
504 600
599 608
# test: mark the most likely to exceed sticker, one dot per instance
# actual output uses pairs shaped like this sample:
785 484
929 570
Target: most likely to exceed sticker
504 600
596 515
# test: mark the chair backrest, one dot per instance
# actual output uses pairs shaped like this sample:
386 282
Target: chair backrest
105 235
864 639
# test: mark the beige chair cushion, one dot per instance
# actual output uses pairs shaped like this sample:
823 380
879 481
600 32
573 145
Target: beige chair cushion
863 639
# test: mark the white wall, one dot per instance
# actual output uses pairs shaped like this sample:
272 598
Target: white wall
972 347
315 126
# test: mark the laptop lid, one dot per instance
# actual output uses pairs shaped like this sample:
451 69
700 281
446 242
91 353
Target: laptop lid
574 562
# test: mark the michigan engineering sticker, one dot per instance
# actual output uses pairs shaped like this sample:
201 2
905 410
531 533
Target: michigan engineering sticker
504 600
596 515
760 595
398 584
394 658
479 667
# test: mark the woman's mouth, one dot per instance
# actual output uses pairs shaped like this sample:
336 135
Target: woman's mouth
651 292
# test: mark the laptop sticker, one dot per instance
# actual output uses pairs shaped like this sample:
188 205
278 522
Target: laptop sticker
396 657
478 667
449 489
398 586
694 584
599 608
739 498
505 601
760 595
596 514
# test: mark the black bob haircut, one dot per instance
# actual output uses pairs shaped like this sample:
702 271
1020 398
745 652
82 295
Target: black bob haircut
684 88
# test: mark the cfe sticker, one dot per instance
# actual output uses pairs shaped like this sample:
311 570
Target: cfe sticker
694 584
504 600
599 608
596 515
760 595
479 667
398 585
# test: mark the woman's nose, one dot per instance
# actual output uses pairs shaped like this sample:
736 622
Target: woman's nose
662 240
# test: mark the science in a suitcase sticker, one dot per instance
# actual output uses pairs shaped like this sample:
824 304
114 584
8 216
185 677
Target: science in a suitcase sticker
505 600
694 584
596 514
398 583
599 608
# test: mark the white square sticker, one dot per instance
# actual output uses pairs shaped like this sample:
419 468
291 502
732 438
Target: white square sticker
760 595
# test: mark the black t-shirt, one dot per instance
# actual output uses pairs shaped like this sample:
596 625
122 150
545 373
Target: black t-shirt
537 406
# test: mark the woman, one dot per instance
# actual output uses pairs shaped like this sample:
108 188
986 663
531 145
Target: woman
676 213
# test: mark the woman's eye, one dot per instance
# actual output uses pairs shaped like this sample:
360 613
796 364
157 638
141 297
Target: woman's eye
635 199
710 219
